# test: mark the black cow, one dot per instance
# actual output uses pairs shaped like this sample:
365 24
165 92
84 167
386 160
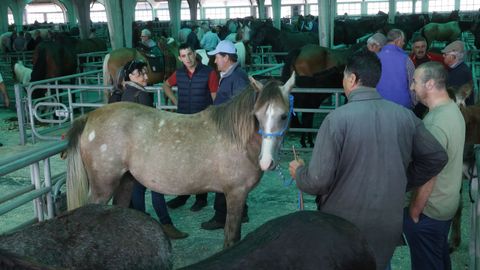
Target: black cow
301 240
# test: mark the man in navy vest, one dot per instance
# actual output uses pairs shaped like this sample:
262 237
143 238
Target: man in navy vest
197 88
397 70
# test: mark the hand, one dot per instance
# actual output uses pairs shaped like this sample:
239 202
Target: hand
293 166
414 214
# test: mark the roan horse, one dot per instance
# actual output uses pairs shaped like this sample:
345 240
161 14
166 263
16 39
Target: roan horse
224 148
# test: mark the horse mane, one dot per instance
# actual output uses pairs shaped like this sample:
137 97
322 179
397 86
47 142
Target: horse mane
235 119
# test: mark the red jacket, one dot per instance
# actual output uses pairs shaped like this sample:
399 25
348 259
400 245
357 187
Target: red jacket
431 57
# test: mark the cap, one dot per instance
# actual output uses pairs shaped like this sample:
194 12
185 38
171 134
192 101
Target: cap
224 46
146 32
456 46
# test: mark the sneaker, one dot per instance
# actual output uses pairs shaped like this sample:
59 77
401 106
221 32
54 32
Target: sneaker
198 205
172 232
213 224
177 202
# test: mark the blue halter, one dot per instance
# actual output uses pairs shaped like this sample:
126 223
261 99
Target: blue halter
282 131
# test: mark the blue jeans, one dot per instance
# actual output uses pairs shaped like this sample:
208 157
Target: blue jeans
428 242
158 202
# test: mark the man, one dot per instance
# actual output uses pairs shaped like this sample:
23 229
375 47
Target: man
197 87
366 154
149 44
433 205
459 74
233 80
376 42
192 38
397 70
419 56
419 53
210 40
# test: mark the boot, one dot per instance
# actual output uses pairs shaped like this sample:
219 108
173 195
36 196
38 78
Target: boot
198 205
177 201
214 224
172 232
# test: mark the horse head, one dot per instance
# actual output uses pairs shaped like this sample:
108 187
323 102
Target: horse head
272 110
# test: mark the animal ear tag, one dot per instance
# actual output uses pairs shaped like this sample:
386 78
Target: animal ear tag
258 86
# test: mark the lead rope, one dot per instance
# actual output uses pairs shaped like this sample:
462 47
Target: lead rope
300 193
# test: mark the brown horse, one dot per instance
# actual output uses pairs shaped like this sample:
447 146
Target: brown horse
116 59
315 66
224 148
471 115
441 32
58 57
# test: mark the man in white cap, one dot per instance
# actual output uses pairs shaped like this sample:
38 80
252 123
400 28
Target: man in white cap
149 44
459 74
233 79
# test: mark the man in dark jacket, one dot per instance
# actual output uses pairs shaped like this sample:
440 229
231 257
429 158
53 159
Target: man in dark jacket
367 153
197 87
233 80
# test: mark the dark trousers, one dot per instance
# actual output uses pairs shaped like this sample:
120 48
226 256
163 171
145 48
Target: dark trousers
199 197
220 206
428 242
158 202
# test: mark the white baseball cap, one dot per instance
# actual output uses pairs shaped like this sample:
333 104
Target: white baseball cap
146 32
224 46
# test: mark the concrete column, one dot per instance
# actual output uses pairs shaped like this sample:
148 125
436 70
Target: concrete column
128 17
261 9
3 17
113 8
325 22
18 7
174 7
72 15
277 9
392 9
193 5
82 9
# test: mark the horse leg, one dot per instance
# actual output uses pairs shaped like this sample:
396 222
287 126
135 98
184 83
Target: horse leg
235 202
123 193
455 232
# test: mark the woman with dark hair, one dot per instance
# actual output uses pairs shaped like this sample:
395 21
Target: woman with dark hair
135 77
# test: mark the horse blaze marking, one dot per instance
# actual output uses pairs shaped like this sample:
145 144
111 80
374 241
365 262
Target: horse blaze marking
91 136
103 147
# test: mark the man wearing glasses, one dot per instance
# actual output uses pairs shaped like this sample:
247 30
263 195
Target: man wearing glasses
459 74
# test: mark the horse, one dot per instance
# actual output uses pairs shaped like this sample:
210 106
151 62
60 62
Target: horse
58 57
22 73
449 32
315 66
116 59
297 241
90 237
263 33
224 148
471 115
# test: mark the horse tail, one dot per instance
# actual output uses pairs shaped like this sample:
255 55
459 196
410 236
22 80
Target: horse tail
106 76
290 64
77 180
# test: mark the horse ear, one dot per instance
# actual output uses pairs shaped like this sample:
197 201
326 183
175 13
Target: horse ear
258 86
288 86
